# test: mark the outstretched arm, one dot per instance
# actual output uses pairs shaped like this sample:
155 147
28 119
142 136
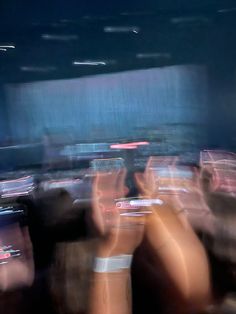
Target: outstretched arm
110 286
176 252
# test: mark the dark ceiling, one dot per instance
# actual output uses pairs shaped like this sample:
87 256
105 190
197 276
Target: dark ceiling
63 39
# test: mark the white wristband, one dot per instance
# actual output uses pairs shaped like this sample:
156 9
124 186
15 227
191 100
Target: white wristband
112 264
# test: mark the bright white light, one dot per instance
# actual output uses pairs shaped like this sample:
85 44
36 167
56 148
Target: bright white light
136 214
146 202
7 46
89 63
3 49
172 188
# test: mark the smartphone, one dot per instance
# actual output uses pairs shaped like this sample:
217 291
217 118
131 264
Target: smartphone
109 164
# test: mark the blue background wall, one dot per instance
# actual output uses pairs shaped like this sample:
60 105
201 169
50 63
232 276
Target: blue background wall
4 119
108 106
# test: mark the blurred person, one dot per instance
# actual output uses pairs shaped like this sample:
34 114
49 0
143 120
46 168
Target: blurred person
110 291
54 222
70 275
209 205
221 243
173 257
16 262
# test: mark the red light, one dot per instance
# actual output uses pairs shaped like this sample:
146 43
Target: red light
131 145
138 143
123 146
5 256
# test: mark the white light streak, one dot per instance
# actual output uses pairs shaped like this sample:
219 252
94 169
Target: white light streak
59 37
121 29
7 46
93 63
146 202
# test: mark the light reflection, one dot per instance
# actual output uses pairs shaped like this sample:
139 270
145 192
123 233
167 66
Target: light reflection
226 10
17 187
121 29
8 46
58 37
153 55
129 145
89 63
38 69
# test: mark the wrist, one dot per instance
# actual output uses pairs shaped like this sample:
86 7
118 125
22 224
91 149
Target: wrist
106 248
103 251
113 264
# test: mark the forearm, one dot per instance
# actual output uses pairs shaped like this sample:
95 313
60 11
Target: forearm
110 293
184 259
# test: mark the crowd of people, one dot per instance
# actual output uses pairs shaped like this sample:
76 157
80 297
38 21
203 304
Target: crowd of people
166 245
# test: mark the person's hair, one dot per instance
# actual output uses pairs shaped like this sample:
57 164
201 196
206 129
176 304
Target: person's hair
70 276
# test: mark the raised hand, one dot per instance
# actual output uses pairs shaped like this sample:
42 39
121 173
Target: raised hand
120 234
